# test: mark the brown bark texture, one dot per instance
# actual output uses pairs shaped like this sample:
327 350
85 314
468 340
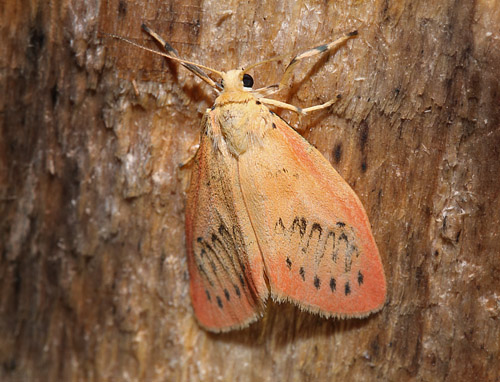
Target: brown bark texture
93 276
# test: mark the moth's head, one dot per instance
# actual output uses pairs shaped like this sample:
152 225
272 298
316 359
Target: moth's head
236 80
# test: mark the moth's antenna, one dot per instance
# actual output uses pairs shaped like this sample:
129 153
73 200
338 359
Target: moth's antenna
263 62
191 66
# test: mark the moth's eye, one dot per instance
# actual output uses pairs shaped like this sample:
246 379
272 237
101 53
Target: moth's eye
247 80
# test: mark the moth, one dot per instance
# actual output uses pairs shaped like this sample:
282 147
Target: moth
267 216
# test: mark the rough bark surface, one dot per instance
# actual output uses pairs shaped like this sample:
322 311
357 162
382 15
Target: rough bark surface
92 269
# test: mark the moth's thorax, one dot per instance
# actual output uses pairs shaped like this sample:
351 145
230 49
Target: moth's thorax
241 119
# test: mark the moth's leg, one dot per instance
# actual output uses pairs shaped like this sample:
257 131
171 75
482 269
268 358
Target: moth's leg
136 89
308 53
297 109
193 150
322 106
283 105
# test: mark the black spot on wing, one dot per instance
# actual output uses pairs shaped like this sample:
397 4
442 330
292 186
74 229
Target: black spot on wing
316 227
302 273
360 278
208 295
227 245
202 270
340 224
226 293
237 290
274 125
330 239
289 263
219 301
214 267
317 282
300 224
279 227
353 33
347 290
333 284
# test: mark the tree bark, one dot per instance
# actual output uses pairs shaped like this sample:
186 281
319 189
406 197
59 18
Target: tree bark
93 271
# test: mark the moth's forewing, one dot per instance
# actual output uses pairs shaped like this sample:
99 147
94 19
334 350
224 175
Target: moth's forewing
225 266
312 229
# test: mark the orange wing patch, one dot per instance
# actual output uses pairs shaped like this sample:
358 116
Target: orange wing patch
225 267
313 231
